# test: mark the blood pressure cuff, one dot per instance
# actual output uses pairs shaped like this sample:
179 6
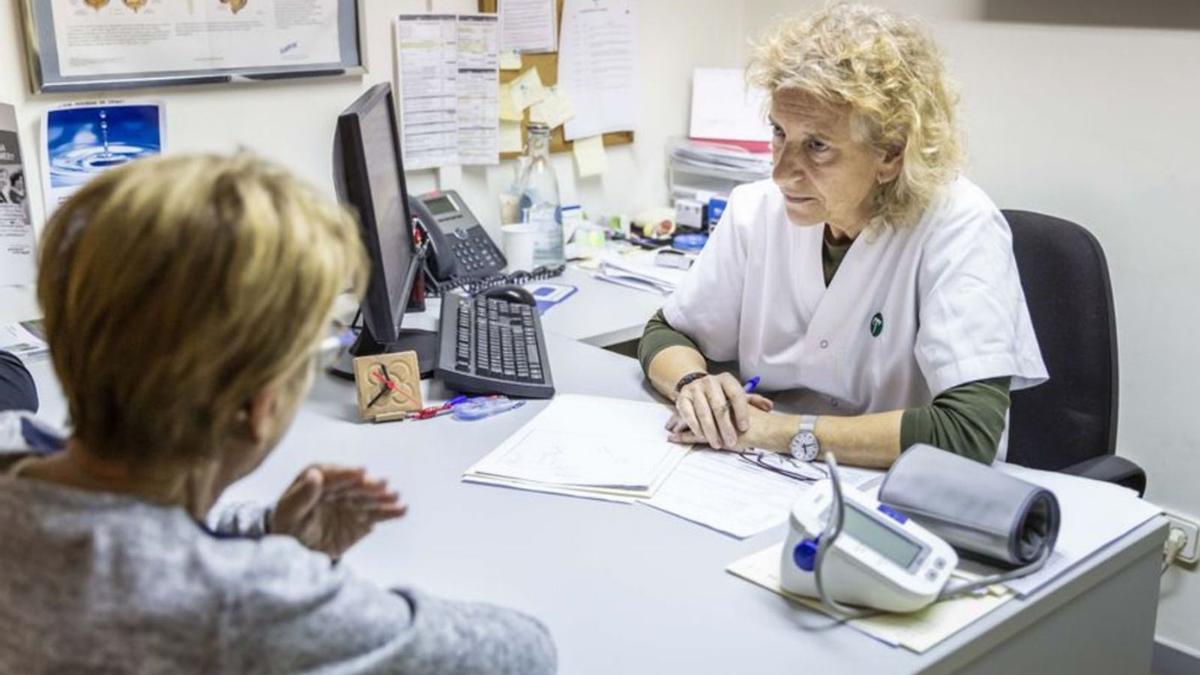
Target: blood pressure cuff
974 507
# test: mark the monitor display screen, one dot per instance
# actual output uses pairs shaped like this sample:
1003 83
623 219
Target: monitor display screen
440 205
887 542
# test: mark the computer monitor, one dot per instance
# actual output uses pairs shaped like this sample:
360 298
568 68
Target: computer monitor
369 177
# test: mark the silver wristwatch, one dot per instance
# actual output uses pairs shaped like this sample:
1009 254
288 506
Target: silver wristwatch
804 445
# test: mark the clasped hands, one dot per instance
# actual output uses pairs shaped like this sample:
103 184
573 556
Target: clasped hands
716 410
329 508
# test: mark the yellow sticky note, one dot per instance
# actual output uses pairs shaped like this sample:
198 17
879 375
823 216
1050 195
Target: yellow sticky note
527 89
553 110
510 60
590 159
509 112
510 137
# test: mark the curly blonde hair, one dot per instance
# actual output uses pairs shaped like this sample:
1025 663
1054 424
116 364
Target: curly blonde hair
886 69
175 288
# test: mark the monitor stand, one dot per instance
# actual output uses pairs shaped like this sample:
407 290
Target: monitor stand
424 342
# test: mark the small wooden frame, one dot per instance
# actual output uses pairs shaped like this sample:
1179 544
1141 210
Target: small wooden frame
387 383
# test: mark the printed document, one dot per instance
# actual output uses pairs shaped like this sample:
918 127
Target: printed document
596 66
449 97
732 494
16 225
588 443
528 26
918 631
113 38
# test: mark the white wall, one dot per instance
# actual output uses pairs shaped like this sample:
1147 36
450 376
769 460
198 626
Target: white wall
293 121
1098 125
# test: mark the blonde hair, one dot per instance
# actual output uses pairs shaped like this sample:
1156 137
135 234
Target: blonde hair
176 288
888 72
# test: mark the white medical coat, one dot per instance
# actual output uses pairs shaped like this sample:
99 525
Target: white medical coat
911 312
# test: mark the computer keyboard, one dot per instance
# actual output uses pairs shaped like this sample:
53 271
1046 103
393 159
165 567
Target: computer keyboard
493 344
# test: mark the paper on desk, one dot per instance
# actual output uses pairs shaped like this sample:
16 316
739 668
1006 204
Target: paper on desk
722 491
1094 515
590 158
552 110
637 270
596 66
26 339
510 137
528 26
527 89
918 631
590 443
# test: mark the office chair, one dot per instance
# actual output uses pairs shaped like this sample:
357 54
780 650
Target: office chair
1069 423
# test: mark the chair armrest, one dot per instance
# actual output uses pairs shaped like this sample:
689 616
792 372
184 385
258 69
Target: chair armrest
1111 469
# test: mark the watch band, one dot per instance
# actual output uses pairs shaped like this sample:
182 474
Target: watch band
688 379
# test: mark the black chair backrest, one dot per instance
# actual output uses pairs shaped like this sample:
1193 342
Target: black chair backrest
1073 417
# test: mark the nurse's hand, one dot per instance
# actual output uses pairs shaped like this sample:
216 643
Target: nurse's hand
759 414
717 409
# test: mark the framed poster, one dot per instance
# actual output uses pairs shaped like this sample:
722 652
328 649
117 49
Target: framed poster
79 45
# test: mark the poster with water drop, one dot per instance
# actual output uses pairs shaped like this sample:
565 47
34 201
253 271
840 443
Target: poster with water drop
84 140
16 226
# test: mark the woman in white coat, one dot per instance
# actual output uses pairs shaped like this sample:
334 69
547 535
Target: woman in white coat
868 282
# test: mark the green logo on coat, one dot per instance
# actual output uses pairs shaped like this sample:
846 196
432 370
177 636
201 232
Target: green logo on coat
876 324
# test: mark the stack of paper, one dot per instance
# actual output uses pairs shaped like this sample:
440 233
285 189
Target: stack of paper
917 631
639 272
586 446
728 161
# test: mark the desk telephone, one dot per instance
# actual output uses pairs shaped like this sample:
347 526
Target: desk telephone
459 247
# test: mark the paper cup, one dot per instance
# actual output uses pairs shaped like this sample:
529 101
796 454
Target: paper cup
517 240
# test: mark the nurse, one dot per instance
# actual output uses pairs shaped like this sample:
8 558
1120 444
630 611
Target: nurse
869 283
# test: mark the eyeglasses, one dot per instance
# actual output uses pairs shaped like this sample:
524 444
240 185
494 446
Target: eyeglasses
785 465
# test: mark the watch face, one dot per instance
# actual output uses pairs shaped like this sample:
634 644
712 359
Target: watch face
804 446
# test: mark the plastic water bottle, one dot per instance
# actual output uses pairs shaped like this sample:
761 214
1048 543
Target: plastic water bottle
539 203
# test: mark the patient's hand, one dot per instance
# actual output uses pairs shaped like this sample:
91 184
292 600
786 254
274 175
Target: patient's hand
328 508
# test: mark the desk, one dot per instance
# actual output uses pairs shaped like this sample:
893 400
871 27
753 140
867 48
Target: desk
600 313
628 589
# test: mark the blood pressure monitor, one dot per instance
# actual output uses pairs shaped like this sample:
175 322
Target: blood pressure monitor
882 559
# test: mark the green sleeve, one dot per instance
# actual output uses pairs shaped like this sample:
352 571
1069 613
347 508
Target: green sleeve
966 420
657 336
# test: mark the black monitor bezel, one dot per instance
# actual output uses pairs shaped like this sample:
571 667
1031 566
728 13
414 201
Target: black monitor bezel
382 316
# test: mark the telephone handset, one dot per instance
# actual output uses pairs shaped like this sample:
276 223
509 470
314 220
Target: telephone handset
459 247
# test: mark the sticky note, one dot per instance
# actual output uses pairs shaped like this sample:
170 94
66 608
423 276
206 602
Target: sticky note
509 112
527 89
510 137
553 110
510 60
590 159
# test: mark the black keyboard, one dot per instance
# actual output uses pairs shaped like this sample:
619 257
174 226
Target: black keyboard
493 344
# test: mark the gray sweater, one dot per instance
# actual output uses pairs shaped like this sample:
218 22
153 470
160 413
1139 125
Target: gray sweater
107 583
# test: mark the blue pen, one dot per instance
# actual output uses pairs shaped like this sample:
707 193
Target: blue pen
752 384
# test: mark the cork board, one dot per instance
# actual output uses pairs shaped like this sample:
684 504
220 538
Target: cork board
547 67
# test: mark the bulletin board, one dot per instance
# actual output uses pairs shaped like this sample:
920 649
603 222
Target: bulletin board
547 67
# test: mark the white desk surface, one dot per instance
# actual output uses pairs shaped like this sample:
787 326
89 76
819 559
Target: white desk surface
629 589
600 313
